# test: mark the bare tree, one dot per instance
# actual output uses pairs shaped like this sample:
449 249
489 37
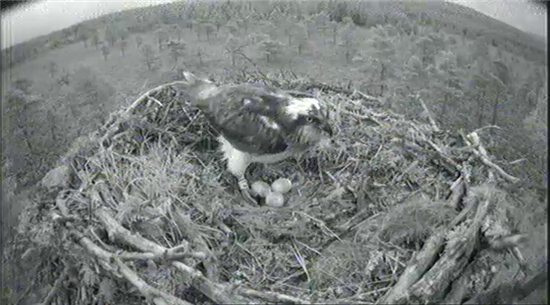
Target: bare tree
105 50
162 36
95 39
139 41
208 29
177 50
52 68
123 46
149 56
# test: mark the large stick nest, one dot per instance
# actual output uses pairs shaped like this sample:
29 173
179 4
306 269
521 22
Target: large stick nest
394 211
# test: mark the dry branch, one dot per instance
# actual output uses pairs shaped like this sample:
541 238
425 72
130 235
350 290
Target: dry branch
148 95
106 258
216 292
422 261
434 283
147 290
510 292
56 286
271 296
432 121
418 265
480 152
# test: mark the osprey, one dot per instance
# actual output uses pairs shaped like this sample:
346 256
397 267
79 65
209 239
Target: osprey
257 123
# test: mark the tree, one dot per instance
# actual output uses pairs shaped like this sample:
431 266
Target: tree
384 53
83 35
89 93
270 48
162 36
139 41
322 20
149 56
310 25
537 123
301 37
52 68
177 50
480 50
427 50
500 80
123 46
289 27
415 75
233 45
110 36
208 29
95 39
105 50
19 122
348 40
200 54
334 28
23 84
122 33
176 30
448 83
232 27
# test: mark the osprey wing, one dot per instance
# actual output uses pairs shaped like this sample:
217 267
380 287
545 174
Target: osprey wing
249 116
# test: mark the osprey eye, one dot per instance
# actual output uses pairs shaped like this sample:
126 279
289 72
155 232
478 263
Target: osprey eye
309 119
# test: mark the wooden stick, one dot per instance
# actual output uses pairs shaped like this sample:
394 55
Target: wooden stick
271 296
56 286
432 121
216 292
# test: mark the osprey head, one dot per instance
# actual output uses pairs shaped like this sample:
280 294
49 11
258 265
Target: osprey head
197 89
309 119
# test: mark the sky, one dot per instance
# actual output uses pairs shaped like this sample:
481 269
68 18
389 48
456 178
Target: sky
45 16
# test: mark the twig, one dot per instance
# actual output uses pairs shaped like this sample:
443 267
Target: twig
422 261
56 286
149 93
271 296
216 292
417 266
365 96
145 289
487 127
362 117
444 156
523 267
432 121
482 154
155 100
169 255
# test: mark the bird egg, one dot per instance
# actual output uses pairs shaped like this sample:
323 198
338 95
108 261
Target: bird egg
260 188
275 199
281 185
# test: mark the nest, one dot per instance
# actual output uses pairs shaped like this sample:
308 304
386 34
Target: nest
393 211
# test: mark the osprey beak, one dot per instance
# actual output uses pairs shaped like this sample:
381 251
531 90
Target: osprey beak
326 128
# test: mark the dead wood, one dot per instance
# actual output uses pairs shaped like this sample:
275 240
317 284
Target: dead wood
120 269
473 139
424 259
270 296
56 286
214 291
430 118
510 292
